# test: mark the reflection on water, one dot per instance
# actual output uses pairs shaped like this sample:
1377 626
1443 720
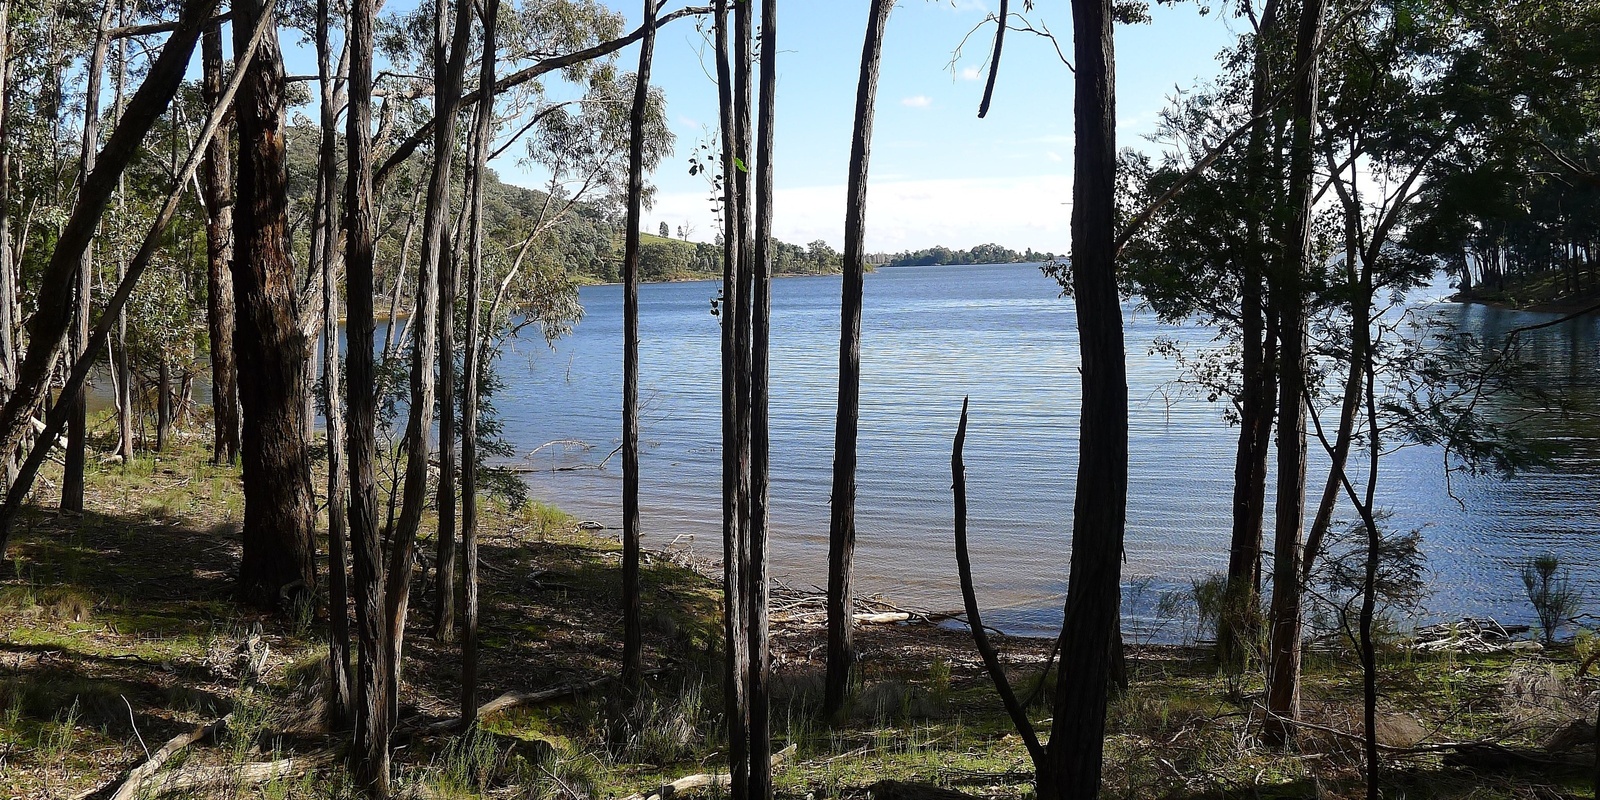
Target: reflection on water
1002 335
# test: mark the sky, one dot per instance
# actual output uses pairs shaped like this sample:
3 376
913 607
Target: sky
939 175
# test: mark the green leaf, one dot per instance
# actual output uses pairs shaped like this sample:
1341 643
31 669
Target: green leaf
738 164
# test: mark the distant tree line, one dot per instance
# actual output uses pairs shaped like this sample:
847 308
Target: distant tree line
981 254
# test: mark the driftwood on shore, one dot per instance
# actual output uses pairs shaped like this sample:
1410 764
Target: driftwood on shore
1473 636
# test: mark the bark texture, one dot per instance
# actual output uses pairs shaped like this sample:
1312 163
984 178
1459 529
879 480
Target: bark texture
278 563
374 726
215 179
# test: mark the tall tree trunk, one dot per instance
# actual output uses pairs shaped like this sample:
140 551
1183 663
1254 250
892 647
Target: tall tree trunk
123 366
278 534
757 587
372 708
9 327
632 637
483 133
391 334
449 66
847 419
444 605
1283 671
163 404
1077 736
1348 406
77 415
339 702
1238 626
734 469
215 176
52 315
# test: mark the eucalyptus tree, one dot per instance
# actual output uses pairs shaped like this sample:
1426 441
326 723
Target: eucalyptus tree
271 347
483 131
49 325
216 181
842 521
77 420
374 722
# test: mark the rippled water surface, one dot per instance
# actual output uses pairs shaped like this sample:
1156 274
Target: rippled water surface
1002 335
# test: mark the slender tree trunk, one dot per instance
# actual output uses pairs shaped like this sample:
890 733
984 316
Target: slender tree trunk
52 315
1283 671
123 367
757 587
847 419
1238 626
1077 736
374 725
163 404
449 67
391 334
483 133
9 327
339 701
77 415
735 469
632 637
215 180
444 608
278 519
1349 405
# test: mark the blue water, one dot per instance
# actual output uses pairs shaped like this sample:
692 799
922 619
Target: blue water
1002 335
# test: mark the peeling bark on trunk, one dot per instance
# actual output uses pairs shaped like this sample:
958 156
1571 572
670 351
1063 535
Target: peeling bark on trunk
847 418
272 352
215 177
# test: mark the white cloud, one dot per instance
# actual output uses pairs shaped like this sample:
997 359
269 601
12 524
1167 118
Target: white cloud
917 101
911 214
1053 156
971 73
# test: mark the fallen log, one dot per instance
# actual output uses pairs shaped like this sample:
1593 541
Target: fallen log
704 780
885 618
198 777
513 699
134 785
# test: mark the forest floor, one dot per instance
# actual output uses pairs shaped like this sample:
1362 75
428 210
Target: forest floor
119 631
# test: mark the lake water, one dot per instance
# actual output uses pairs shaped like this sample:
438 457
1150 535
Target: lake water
1001 334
